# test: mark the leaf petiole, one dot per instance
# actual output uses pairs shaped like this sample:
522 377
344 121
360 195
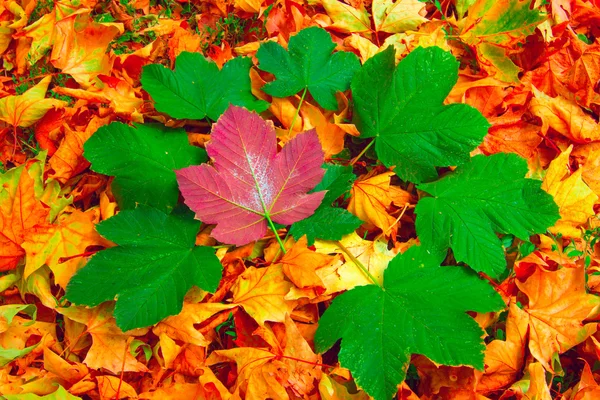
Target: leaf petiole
358 264
367 147
298 110
272 226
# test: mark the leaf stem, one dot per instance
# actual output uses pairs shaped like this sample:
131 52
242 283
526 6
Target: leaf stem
279 251
297 110
272 226
367 147
358 264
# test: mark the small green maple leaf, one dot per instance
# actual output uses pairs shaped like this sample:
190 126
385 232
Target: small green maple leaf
329 223
487 195
402 107
197 88
308 64
420 310
142 159
154 265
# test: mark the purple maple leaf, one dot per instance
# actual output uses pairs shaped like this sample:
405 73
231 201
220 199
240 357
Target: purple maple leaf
248 180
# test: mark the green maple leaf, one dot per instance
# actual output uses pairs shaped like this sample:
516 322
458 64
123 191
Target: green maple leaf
308 64
488 195
151 269
329 223
142 159
420 310
402 108
197 89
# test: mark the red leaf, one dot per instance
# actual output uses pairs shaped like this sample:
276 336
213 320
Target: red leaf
249 180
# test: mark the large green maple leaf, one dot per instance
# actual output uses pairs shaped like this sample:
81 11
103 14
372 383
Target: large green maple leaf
402 107
151 269
421 309
197 88
142 159
487 195
308 64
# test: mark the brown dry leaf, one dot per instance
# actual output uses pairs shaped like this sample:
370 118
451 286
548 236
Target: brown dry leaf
504 358
261 292
26 109
114 388
558 303
181 326
370 200
110 346
62 246
80 47
300 265
565 117
573 197
68 160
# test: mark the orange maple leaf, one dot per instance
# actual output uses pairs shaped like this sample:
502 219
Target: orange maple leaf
558 305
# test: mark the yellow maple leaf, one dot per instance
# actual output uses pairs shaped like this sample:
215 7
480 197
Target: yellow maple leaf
26 109
573 197
375 256
261 292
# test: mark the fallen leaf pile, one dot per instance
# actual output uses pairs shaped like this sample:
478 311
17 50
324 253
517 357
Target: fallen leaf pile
299 199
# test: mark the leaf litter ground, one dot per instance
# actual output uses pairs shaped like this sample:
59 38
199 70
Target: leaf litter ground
111 288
